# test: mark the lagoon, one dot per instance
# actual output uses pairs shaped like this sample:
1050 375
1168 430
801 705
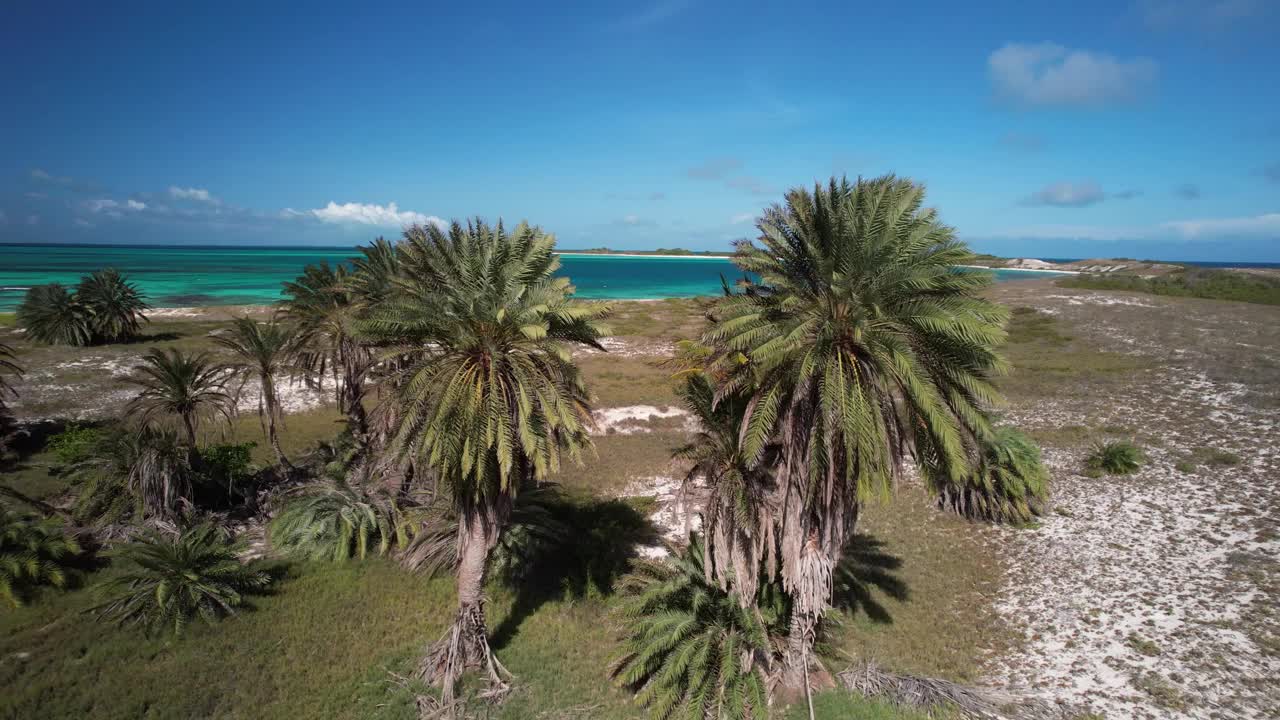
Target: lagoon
206 276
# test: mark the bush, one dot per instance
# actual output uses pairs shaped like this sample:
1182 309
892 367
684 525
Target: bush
33 552
131 474
76 444
169 580
104 308
1114 458
1007 482
225 469
1190 282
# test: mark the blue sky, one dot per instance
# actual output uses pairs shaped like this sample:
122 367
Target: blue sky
1136 127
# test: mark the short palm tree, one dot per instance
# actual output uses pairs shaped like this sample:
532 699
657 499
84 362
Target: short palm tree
8 371
336 521
858 342
33 551
183 386
1007 481
1114 457
114 304
321 304
134 474
737 511
170 579
691 649
488 397
263 352
52 315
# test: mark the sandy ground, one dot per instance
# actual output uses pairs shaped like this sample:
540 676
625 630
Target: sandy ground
1155 595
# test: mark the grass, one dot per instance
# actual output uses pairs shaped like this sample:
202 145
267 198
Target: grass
1189 282
1207 457
616 381
1048 359
840 705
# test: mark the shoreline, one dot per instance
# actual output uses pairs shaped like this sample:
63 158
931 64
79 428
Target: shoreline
1039 270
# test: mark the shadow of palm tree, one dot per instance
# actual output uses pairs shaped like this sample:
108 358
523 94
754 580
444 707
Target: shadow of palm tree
596 542
865 570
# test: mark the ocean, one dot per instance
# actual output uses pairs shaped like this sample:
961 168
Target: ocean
197 276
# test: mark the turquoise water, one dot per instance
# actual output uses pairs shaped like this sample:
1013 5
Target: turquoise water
189 276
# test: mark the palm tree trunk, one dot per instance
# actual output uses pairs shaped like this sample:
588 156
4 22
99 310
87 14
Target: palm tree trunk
189 422
465 645
273 410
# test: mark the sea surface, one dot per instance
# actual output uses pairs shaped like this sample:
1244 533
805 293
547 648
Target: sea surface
196 276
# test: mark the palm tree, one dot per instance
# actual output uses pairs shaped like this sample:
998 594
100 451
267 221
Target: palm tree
33 551
168 580
52 315
8 370
737 509
188 387
337 521
262 351
859 343
690 647
134 474
114 304
488 396
322 305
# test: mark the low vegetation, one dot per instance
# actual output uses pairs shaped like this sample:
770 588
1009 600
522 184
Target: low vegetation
33 552
1189 282
1114 457
1006 483
168 580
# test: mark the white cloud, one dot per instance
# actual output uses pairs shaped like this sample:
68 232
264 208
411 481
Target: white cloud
196 194
650 15
1267 225
631 219
114 208
81 222
1066 194
381 215
742 218
1050 74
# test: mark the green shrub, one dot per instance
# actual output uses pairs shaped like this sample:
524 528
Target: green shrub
76 444
1006 483
33 552
1115 457
1189 282
169 580
228 465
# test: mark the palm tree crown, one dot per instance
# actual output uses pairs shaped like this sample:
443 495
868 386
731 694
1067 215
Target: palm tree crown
491 397
262 352
115 305
185 386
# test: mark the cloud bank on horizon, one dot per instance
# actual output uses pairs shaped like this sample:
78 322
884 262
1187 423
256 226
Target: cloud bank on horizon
1133 128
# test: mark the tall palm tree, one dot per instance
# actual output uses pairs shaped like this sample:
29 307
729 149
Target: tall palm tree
489 397
322 305
114 304
188 387
859 343
262 352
